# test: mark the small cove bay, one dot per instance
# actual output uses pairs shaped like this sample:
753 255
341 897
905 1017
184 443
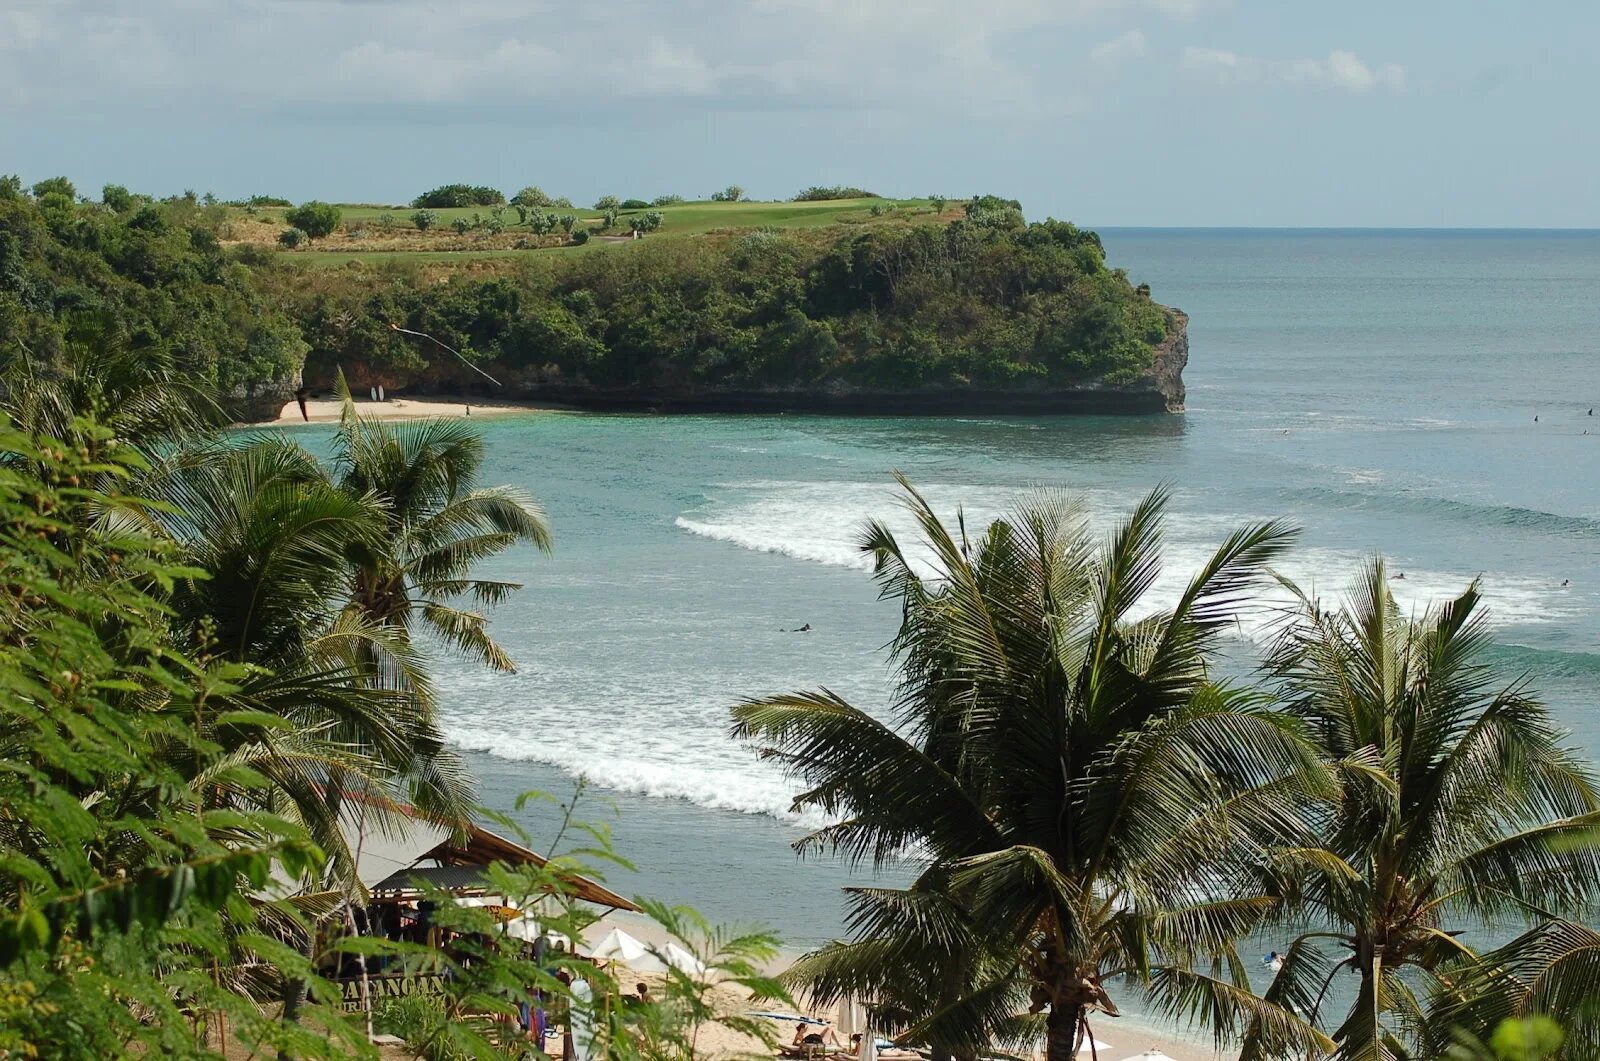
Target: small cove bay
1377 389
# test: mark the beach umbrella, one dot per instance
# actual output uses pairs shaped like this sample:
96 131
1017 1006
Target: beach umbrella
625 950
849 1019
1149 1055
1099 1048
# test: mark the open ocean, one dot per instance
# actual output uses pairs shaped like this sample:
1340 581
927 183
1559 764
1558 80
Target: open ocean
1377 388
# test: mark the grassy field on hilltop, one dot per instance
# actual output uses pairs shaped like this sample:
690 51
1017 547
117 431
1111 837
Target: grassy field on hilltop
370 232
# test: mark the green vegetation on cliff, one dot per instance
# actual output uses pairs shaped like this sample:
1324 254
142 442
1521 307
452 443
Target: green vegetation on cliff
137 277
892 301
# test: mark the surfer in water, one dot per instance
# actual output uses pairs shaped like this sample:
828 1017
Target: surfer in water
806 629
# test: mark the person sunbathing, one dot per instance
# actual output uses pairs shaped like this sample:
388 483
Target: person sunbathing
804 1036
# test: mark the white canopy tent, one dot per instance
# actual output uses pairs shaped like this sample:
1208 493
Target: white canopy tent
625 950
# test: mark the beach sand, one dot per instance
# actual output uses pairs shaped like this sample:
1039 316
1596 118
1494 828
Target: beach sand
1127 1036
327 410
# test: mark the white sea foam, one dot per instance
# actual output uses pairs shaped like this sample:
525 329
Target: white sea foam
820 523
640 705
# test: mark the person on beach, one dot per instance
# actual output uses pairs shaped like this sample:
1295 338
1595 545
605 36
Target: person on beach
804 1036
644 992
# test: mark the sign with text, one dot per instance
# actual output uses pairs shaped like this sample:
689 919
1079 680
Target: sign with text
382 987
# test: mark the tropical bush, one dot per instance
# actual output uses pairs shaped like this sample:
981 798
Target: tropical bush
634 204
292 238
817 193
666 200
607 202
424 220
731 194
454 195
532 196
314 218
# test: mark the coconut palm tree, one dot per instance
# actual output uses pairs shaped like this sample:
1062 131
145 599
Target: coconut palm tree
1460 806
1083 799
421 479
276 538
137 395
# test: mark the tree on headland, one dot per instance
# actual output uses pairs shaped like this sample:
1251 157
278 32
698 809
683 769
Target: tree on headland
1460 805
1083 802
456 195
607 202
59 187
532 196
731 194
315 219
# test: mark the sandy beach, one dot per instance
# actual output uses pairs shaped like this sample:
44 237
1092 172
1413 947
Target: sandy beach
1127 1037
327 410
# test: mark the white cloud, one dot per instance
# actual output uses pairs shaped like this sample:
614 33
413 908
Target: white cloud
311 55
1341 70
1210 61
1119 49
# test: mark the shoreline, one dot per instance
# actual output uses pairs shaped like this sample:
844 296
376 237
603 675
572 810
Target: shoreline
328 410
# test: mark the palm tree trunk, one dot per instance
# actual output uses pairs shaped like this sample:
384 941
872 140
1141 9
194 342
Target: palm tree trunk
1061 1032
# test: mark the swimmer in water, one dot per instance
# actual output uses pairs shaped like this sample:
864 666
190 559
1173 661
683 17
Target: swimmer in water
1566 582
1401 577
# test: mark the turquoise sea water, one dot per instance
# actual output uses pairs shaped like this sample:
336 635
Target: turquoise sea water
1379 389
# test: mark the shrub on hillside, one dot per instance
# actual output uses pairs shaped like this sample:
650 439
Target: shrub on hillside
818 193
315 219
666 200
424 220
731 194
532 196
581 236
607 202
453 195
991 211
291 238
634 204
267 200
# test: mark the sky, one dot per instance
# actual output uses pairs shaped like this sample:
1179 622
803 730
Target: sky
1106 112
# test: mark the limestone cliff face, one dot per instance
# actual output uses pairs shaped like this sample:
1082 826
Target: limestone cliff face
260 400
1158 390
1165 374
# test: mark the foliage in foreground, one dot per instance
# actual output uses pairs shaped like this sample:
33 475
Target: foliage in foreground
123 876
170 751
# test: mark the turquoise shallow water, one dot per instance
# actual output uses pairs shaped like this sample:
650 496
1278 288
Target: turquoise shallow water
1377 388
